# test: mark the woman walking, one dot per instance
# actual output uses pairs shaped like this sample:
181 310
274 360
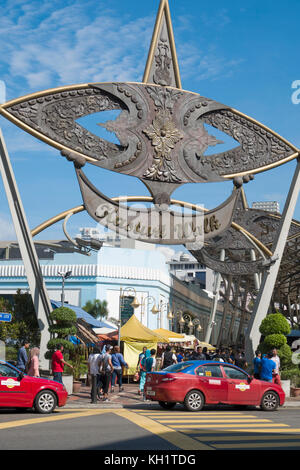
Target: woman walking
33 362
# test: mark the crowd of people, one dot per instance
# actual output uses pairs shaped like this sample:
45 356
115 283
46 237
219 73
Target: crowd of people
267 366
105 367
106 370
28 361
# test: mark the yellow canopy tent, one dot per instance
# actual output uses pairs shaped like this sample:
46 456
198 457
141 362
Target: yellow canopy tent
168 334
136 336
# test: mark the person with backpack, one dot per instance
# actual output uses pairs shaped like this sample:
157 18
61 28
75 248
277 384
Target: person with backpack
150 362
139 368
94 363
168 358
107 370
143 371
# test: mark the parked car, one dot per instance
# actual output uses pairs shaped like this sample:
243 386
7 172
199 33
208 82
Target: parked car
196 383
19 390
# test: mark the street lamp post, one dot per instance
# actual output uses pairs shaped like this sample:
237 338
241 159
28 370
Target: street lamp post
159 311
135 304
170 317
179 314
147 299
64 276
193 322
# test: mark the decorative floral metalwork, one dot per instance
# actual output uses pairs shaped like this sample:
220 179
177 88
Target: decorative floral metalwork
164 136
163 63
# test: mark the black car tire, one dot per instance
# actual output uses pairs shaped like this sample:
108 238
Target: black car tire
269 401
167 405
194 400
45 402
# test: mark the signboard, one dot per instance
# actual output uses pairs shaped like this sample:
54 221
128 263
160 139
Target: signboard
126 309
5 317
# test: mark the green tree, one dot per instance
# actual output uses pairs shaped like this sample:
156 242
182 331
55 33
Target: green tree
24 318
24 325
97 308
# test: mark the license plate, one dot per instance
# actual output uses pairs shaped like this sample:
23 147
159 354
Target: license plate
151 393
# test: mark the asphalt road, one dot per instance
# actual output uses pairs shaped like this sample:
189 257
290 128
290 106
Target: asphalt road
151 429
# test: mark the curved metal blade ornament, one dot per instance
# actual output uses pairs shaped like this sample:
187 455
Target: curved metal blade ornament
151 224
262 225
162 138
160 129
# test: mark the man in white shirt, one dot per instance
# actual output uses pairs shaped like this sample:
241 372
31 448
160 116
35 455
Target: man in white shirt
276 359
94 362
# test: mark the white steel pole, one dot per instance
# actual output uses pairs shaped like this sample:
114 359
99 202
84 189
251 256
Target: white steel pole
215 301
263 299
34 275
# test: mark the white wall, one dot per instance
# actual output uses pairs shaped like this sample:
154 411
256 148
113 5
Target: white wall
71 296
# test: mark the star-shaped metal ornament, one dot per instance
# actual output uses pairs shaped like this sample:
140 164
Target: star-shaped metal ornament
162 141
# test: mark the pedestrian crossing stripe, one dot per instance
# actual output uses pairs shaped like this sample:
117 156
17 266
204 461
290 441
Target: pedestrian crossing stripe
215 421
221 425
212 437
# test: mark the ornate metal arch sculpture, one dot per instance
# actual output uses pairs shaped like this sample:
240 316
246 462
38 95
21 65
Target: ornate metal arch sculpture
162 141
161 134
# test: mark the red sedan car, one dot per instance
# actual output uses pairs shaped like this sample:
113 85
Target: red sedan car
196 383
18 390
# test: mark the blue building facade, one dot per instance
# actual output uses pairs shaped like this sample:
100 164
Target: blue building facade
112 273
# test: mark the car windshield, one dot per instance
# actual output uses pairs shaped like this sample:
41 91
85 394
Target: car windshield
6 371
177 367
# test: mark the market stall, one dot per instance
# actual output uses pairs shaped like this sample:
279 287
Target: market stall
135 336
184 341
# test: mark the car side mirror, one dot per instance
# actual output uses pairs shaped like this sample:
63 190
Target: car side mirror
250 378
21 376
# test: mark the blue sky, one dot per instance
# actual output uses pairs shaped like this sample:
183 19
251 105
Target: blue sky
243 54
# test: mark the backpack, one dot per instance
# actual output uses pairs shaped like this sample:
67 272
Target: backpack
142 364
168 358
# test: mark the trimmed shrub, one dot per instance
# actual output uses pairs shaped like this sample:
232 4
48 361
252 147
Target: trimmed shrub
274 323
276 340
275 327
64 324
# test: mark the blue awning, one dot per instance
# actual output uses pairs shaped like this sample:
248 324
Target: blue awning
294 334
80 313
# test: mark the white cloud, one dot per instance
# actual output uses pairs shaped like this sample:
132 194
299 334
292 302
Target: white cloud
65 45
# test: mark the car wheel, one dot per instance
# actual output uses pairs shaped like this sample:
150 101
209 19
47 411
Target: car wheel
194 401
167 405
269 401
45 402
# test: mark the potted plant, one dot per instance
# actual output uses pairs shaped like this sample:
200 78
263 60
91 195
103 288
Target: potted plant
62 327
77 360
295 386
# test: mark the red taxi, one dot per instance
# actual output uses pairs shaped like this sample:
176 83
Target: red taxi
18 390
196 383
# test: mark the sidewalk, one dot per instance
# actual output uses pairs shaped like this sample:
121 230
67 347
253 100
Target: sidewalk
116 399
129 397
